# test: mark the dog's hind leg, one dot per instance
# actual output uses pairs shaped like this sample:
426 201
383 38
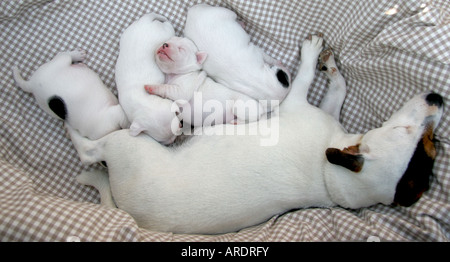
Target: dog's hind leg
75 56
111 119
88 150
334 98
68 58
100 180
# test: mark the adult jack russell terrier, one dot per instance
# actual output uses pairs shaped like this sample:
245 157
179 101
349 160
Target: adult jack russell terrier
216 31
192 89
222 183
136 67
75 94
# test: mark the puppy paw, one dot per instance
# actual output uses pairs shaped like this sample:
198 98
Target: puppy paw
150 89
78 55
312 47
157 90
327 62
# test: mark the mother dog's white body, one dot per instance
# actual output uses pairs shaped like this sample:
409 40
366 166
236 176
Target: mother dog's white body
223 183
136 67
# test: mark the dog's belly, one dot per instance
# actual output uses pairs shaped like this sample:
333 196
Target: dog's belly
217 184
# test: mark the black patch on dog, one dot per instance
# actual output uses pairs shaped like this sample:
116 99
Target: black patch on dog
283 78
416 178
353 162
58 106
434 99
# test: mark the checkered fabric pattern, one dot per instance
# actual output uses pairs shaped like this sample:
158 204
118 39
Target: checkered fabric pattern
387 51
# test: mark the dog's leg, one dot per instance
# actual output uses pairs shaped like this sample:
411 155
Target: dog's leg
89 151
173 92
311 49
77 55
100 180
68 58
270 60
116 116
334 98
246 111
110 119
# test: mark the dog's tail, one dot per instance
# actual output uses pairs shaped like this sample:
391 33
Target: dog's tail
100 180
25 85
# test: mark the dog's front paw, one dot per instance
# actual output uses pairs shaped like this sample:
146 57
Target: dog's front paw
327 62
312 47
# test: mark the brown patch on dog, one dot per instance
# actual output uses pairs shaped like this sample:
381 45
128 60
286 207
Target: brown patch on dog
349 158
428 143
323 58
325 55
354 150
416 179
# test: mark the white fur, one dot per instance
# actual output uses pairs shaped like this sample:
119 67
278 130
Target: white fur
203 100
91 108
232 59
136 67
221 183
335 97
100 181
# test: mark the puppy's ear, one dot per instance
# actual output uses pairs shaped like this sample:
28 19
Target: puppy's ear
201 57
349 158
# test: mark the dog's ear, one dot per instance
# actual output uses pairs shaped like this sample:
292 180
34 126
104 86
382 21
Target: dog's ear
416 179
349 158
201 57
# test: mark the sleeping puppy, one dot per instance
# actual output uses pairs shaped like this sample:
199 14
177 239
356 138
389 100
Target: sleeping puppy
75 94
192 89
222 183
136 67
232 59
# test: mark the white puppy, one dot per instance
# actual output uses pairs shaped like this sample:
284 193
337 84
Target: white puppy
222 183
136 67
232 59
204 102
75 94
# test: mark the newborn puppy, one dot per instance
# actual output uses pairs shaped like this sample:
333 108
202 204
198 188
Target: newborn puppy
202 100
75 94
232 59
136 67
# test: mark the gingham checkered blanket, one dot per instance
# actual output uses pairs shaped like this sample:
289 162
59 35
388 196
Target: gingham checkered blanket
387 51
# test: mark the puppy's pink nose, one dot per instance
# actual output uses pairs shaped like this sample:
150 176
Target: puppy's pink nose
165 45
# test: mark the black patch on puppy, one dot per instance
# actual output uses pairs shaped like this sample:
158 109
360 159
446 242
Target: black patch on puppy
283 78
58 106
416 178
